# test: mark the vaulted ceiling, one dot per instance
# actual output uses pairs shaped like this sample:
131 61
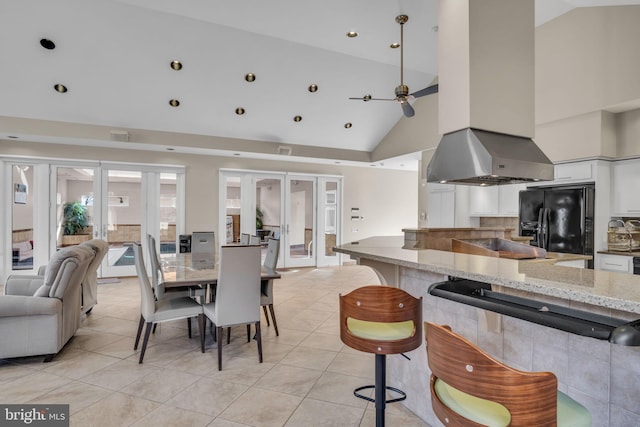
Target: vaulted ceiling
114 58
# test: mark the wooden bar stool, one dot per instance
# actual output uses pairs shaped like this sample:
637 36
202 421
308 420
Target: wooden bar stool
381 320
471 388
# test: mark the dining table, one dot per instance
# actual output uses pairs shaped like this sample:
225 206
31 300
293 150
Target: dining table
183 271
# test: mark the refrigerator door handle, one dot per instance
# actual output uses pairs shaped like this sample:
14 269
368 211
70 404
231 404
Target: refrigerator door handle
545 228
539 228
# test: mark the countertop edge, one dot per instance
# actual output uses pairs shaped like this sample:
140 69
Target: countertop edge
541 286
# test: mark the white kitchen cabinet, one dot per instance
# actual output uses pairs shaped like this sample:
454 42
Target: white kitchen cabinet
571 172
500 200
626 180
618 263
441 205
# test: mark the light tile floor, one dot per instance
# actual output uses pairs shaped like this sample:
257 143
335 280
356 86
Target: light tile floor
307 378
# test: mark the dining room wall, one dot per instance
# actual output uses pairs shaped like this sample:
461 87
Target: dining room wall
387 199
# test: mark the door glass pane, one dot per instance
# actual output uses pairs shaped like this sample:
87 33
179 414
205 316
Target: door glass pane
74 206
22 218
233 205
124 215
301 230
330 217
268 208
168 212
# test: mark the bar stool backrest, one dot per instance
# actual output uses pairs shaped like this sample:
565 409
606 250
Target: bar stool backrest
530 397
381 312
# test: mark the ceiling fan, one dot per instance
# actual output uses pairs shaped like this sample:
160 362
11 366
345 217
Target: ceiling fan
402 91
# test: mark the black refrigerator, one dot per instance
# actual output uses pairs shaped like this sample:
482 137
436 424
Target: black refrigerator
559 219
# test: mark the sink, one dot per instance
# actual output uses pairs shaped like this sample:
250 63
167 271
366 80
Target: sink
496 247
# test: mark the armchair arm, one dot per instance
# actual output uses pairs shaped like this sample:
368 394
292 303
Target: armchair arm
22 285
19 305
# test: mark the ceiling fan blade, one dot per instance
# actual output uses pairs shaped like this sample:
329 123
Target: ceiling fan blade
426 91
407 109
373 99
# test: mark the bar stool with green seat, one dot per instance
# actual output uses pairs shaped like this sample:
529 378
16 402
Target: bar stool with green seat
471 388
381 320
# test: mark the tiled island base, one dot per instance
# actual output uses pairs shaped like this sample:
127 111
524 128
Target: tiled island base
603 377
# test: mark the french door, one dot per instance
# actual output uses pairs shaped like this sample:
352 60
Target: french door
302 211
122 204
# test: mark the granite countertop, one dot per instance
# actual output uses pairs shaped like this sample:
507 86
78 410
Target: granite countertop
611 290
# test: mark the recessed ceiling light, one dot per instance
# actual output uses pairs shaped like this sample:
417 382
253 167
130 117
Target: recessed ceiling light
250 77
348 125
352 34
297 119
176 65
443 182
313 88
174 103
236 154
170 149
394 45
239 111
47 44
60 88
337 162
366 98
12 137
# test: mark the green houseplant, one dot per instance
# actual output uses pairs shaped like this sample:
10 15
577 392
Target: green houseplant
259 215
75 218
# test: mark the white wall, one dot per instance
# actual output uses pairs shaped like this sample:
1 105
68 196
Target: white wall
387 199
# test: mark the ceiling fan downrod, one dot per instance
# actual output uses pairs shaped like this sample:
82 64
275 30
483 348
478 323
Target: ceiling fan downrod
402 91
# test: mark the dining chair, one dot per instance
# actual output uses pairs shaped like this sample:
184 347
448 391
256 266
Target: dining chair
157 277
254 240
244 238
237 294
471 388
266 294
203 249
154 311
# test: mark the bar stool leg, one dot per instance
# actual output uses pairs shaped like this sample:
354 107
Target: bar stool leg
381 387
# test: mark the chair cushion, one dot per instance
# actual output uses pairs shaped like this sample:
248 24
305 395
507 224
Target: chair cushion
486 412
380 331
481 411
42 291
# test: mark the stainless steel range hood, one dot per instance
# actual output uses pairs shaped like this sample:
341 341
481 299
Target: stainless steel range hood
478 157
486 95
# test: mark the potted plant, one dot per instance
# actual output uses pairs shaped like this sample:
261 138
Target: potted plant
74 223
259 216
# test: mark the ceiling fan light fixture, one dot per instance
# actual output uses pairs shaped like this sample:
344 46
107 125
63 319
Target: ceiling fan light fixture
176 65
60 88
352 34
313 88
240 111
297 119
348 125
250 77
47 44
174 103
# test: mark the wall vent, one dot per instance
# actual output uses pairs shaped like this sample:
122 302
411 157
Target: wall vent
120 135
284 150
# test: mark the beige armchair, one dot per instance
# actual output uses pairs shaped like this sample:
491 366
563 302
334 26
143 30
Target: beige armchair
39 320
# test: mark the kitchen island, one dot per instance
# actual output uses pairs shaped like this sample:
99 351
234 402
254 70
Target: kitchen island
604 377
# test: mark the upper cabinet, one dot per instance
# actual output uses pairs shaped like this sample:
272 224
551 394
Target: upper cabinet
500 200
574 172
626 180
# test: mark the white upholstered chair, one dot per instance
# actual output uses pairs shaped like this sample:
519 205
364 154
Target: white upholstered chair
266 294
244 238
254 240
237 294
154 311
